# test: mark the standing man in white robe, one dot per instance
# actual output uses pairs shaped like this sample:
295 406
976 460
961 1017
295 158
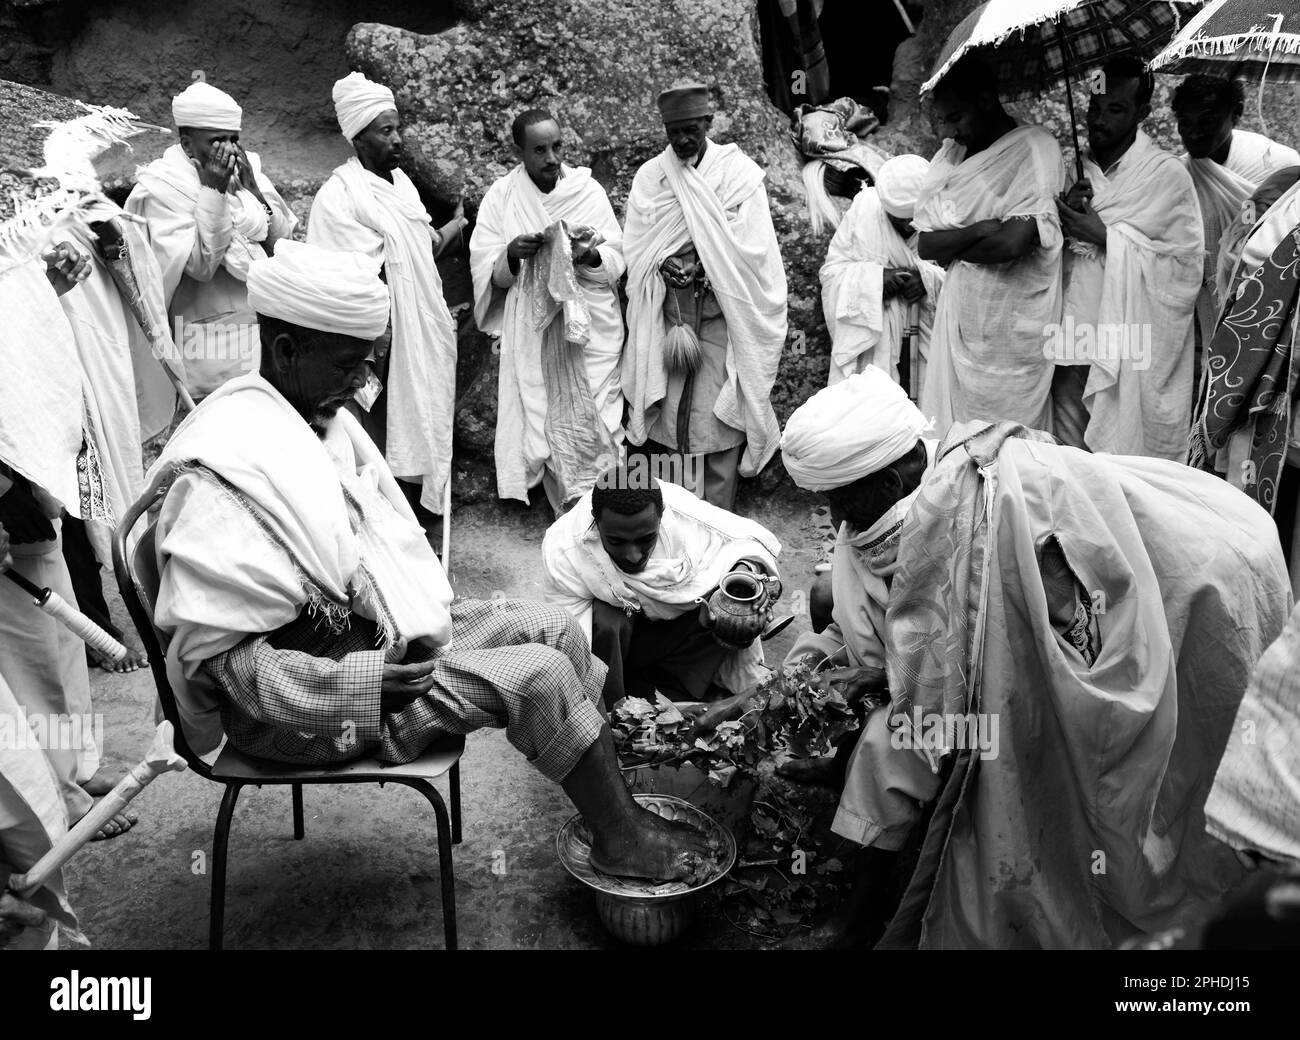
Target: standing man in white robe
41 451
701 248
1226 165
370 206
987 213
1123 379
541 190
211 212
873 279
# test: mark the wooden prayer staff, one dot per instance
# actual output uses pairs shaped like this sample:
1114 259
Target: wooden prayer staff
72 619
159 759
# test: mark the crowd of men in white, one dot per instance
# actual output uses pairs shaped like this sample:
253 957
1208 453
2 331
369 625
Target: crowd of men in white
982 283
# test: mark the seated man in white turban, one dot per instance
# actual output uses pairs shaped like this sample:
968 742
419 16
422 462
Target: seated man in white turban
706 312
1065 638
874 285
1123 350
307 615
370 206
211 212
631 561
557 424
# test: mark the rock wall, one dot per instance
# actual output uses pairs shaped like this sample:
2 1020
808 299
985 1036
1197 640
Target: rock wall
278 58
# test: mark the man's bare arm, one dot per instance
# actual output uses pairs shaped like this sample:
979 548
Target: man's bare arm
943 247
1013 240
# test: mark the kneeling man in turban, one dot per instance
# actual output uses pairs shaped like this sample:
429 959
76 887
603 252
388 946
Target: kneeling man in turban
1064 640
307 615
632 562
878 295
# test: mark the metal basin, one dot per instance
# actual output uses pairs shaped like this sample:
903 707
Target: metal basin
633 910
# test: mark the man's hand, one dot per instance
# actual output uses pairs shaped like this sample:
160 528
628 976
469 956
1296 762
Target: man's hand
22 517
402 683
678 273
222 164
65 266
524 246
16 916
853 683
709 717
902 281
1079 195
244 173
1082 225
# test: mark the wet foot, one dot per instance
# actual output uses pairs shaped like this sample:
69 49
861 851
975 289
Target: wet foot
652 847
818 772
116 825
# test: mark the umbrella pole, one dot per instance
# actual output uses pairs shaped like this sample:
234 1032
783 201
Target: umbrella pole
1074 129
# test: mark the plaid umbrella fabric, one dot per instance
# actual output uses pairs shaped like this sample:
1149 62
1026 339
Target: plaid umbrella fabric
1237 38
1033 44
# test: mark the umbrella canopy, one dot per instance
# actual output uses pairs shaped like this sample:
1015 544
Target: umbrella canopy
1033 44
1237 38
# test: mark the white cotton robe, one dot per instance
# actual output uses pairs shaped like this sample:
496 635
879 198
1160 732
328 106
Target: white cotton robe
866 329
719 206
986 355
358 210
1135 300
515 206
204 241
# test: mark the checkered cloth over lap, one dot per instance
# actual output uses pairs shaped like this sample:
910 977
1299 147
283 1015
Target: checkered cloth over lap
309 695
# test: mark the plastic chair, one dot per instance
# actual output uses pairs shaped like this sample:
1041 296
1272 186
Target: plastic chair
138 580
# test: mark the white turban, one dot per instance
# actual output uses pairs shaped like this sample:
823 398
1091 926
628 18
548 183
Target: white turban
898 183
357 101
330 290
203 105
850 430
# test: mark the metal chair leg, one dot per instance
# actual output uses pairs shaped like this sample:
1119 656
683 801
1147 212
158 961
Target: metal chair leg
220 844
297 812
445 873
455 804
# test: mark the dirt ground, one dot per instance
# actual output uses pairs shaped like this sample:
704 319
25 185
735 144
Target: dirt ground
365 876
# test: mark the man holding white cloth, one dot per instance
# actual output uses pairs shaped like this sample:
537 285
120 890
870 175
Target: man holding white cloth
873 278
703 263
1133 268
516 210
371 206
211 212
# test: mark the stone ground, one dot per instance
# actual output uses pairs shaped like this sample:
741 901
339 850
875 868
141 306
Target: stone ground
365 876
